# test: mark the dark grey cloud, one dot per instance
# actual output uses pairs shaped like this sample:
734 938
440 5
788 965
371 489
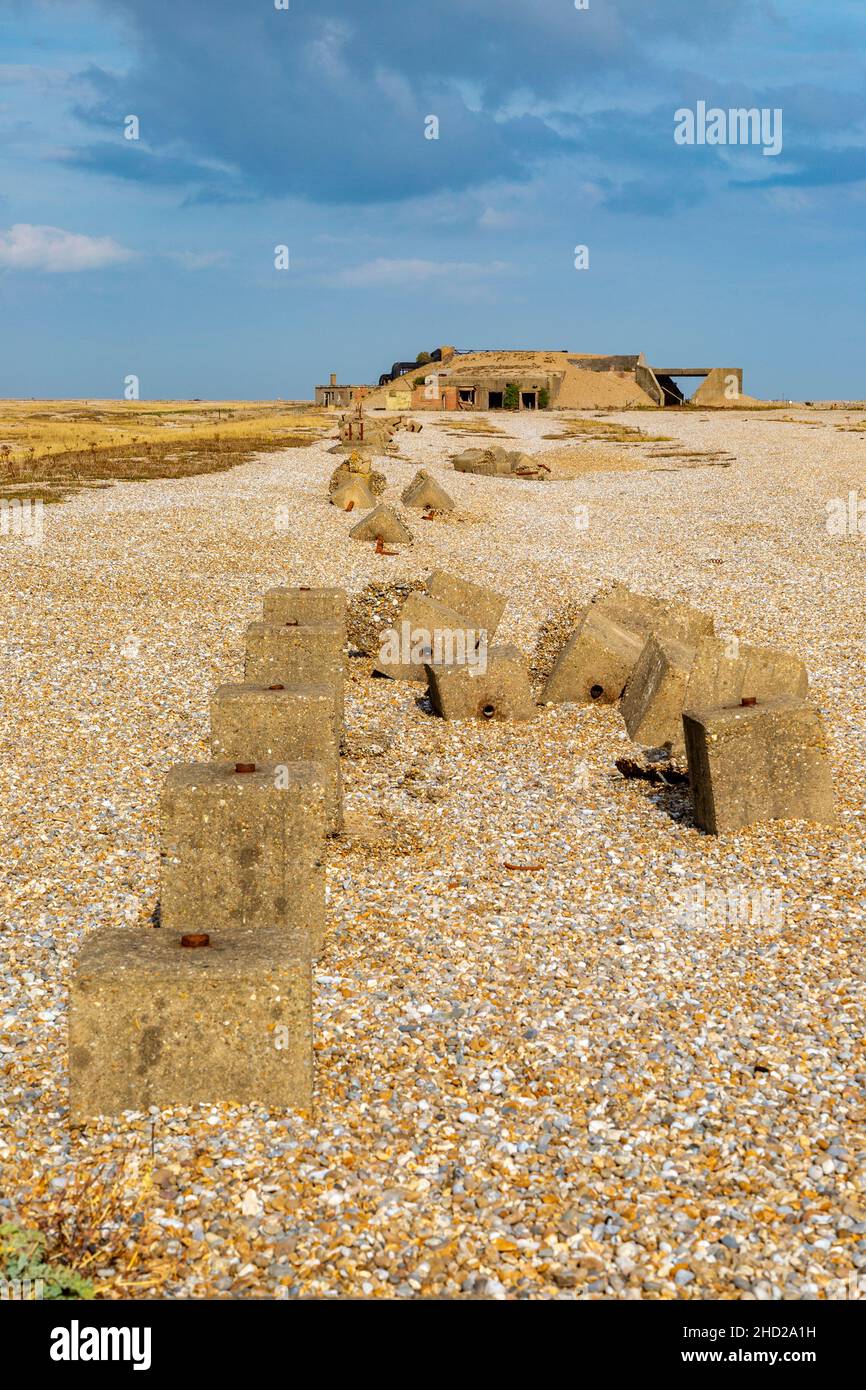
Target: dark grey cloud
328 102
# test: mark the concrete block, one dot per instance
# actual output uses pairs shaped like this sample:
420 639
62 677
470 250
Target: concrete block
500 691
303 604
382 523
244 849
254 724
483 607
353 496
152 1022
424 491
594 665
768 761
643 614
297 654
425 629
723 673
653 699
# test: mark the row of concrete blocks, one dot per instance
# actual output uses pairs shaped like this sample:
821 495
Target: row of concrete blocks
217 1005
422 494
756 749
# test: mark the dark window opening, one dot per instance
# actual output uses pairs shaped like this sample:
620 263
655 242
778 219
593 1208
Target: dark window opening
528 400
495 400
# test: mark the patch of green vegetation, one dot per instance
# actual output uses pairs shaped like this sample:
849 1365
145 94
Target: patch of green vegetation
23 1266
511 399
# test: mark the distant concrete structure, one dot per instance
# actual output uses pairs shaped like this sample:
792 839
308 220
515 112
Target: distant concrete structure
453 380
336 395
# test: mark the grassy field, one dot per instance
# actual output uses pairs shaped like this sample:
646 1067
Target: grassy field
48 448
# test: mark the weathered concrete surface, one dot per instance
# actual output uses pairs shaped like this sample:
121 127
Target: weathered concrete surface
653 699
483 607
595 663
154 1023
424 491
643 614
244 850
499 692
300 604
423 627
725 670
353 496
297 654
670 676
762 762
254 724
382 523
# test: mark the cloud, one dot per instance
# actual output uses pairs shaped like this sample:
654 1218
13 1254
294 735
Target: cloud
28 247
383 273
331 107
197 260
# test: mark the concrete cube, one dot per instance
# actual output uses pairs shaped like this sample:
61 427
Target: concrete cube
767 761
152 1022
244 849
254 724
424 630
305 605
723 673
500 691
480 605
594 665
643 614
652 702
297 654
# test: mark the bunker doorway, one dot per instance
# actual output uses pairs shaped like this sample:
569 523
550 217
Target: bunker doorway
495 400
529 400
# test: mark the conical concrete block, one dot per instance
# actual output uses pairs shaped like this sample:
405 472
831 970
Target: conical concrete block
382 523
353 495
424 491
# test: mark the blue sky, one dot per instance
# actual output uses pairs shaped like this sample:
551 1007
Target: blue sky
306 127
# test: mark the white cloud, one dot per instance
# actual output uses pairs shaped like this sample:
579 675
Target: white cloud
28 247
197 260
382 272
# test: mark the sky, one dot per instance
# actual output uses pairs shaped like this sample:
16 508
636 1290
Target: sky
307 127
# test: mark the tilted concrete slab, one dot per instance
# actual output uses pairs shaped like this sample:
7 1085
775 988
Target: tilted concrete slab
424 628
768 761
595 663
483 607
499 692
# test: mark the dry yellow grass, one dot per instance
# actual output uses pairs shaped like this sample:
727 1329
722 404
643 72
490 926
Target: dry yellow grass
52 444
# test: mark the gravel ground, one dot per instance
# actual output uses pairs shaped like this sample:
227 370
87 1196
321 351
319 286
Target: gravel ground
542 1081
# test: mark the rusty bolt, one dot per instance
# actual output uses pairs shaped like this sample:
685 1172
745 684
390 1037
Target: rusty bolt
293 622
195 938
276 687
304 588
245 767
749 700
